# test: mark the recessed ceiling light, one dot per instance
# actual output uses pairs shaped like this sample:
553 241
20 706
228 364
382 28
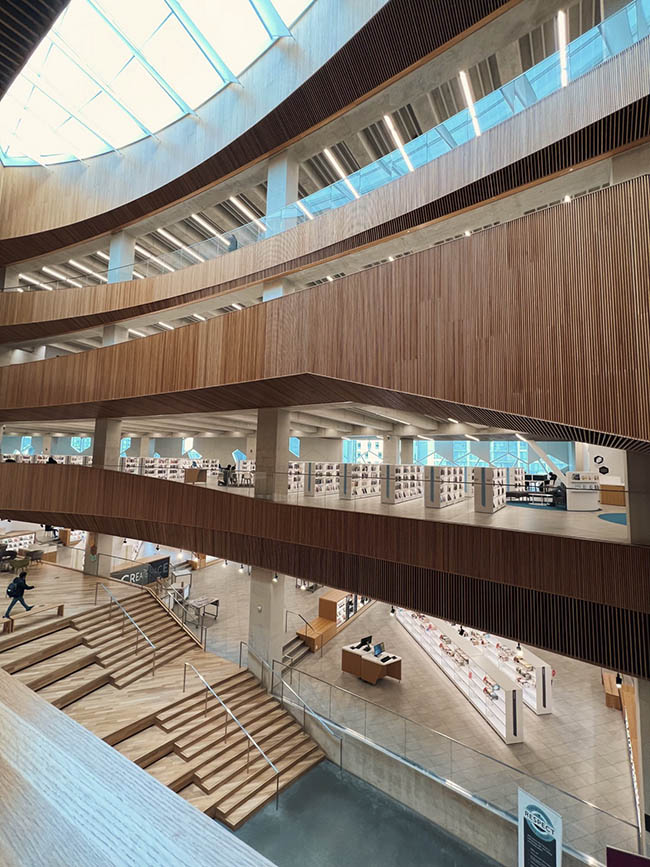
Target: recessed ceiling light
470 437
246 211
87 270
137 333
237 306
174 240
150 256
469 101
467 233
567 199
166 325
388 120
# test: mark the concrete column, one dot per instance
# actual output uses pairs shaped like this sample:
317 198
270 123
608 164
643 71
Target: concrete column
406 450
582 457
121 256
3 277
47 444
112 334
145 447
99 556
638 497
272 454
281 189
106 443
251 448
266 617
276 289
643 772
391 450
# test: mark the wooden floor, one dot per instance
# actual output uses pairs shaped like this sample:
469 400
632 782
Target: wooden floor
86 663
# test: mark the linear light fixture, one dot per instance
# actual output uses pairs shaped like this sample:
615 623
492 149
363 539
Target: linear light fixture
246 211
174 240
469 100
467 233
87 270
519 437
237 306
470 437
137 333
199 317
336 165
567 199
166 325
102 255
305 210
330 279
59 276
35 282
138 275
152 258
210 229
391 258
562 42
453 420
388 120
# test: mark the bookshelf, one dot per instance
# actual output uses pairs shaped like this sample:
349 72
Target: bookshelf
443 486
401 482
296 476
489 489
321 478
359 480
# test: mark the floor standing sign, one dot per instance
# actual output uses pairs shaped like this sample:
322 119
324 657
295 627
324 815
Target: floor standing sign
540 833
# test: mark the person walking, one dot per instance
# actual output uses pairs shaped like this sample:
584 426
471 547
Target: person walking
15 592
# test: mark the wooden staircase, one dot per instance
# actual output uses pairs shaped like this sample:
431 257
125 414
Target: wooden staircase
67 658
187 746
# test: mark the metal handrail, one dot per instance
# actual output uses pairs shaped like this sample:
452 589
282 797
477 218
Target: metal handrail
452 740
178 599
297 614
251 740
305 706
125 613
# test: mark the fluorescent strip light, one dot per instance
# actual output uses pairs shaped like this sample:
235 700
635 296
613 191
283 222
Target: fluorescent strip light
87 270
398 141
166 325
60 276
18 289
248 213
567 199
35 282
338 169
137 333
102 255
391 258
237 306
519 437
174 240
198 316
305 210
152 258
330 279
452 420
210 229
561 41
469 100
138 275
470 437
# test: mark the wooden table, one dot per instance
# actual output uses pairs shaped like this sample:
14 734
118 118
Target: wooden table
367 666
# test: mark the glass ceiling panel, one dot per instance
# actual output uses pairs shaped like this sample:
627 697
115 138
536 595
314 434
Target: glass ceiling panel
109 72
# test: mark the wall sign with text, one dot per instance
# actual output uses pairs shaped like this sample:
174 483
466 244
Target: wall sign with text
540 833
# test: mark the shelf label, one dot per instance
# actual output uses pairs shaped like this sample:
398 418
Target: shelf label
540 833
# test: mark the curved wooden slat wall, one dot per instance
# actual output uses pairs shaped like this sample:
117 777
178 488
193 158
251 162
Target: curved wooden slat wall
402 34
506 159
546 318
456 570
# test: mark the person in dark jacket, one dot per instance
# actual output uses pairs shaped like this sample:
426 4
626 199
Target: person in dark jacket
51 460
20 585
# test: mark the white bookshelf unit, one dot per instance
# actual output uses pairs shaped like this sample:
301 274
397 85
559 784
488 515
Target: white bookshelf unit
296 476
443 486
16 541
489 489
515 479
131 465
401 482
359 480
583 492
321 479
492 692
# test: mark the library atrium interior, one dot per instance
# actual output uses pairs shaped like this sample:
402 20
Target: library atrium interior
334 318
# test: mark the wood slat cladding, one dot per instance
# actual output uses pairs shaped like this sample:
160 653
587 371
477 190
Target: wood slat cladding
493 323
39 315
489 578
22 26
403 34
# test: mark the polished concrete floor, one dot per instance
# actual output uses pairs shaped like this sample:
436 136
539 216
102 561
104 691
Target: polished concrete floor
328 819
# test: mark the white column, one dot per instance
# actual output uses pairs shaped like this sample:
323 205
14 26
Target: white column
391 450
47 444
266 618
582 457
251 448
272 458
99 556
121 256
406 450
112 334
145 447
106 443
281 189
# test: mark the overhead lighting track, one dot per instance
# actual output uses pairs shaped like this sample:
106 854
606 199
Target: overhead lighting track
388 120
174 240
469 101
246 211
336 165
87 270
52 273
150 256
210 229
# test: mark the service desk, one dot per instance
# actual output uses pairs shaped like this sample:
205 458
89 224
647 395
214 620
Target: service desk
367 666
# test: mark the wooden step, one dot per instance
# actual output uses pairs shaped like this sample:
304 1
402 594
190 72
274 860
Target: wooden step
170 710
210 736
170 770
146 746
68 664
124 645
75 686
47 646
125 666
142 670
236 818
101 609
27 635
240 706
108 630
232 697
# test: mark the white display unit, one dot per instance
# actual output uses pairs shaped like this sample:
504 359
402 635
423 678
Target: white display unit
582 492
130 465
401 482
17 541
491 691
359 480
321 479
489 489
515 479
443 486
296 476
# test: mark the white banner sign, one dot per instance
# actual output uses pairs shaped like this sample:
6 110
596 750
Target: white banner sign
540 833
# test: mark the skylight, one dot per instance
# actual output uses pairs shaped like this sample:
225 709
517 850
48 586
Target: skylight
110 72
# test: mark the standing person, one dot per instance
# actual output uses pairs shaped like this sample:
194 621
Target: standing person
51 460
15 592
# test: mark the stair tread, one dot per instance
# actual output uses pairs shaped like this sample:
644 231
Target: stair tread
22 652
233 699
80 651
211 733
137 745
172 709
55 690
125 678
168 769
230 749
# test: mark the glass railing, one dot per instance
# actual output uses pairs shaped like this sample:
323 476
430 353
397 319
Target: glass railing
612 36
485 780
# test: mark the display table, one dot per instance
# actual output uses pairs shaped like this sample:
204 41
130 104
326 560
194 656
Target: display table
367 666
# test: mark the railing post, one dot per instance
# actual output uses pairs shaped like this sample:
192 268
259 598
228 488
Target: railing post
304 716
206 701
225 737
240 649
110 607
184 675
277 790
137 638
248 754
341 756
96 589
153 663
123 621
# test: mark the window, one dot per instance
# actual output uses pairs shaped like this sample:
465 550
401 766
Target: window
194 455
80 444
294 446
26 447
238 455
125 445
